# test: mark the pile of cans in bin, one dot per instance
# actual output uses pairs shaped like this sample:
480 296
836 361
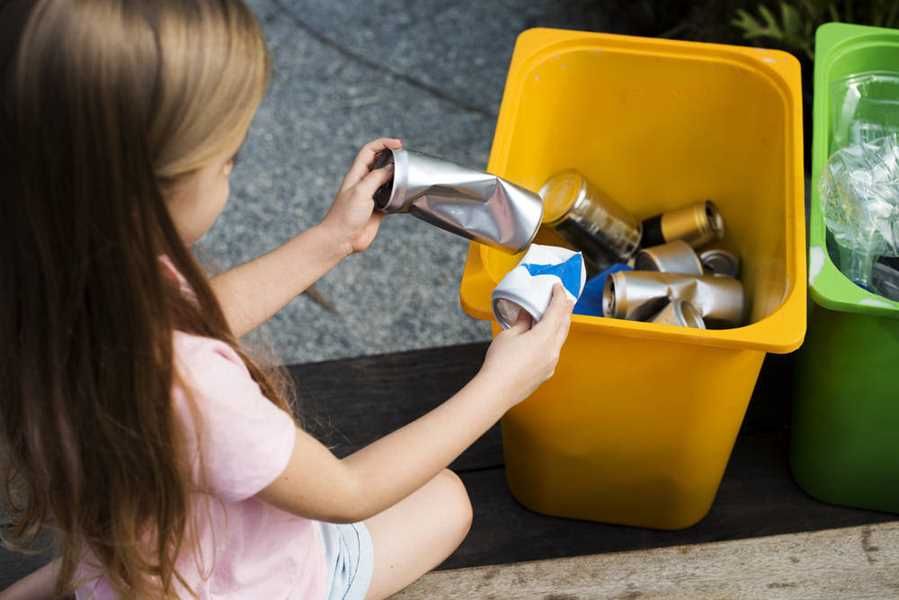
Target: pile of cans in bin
661 269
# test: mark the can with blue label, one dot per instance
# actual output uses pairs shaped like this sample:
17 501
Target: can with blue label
529 286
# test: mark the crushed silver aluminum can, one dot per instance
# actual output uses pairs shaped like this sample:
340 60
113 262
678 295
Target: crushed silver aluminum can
720 262
680 312
601 229
470 203
697 224
674 257
529 285
506 311
638 295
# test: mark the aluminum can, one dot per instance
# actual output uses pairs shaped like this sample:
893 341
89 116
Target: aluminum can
720 262
591 222
674 257
470 203
638 295
529 286
680 312
697 224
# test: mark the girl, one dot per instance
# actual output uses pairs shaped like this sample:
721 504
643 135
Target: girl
165 461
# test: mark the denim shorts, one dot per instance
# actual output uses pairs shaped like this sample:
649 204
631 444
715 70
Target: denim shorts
349 553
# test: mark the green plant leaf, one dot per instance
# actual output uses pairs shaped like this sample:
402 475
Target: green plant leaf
793 28
818 10
753 28
795 24
798 31
792 22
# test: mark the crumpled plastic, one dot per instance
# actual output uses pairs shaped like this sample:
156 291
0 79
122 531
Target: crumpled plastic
859 189
864 107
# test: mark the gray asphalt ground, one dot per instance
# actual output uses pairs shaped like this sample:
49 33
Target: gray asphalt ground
430 72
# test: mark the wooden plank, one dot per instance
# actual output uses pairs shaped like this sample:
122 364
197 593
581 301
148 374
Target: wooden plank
757 498
352 402
349 403
857 563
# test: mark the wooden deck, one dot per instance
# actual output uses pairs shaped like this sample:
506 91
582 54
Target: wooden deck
857 563
349 403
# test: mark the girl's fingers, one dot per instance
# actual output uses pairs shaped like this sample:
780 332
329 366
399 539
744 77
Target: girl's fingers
374 146
522 323
363 160
557 313
375 179
563 331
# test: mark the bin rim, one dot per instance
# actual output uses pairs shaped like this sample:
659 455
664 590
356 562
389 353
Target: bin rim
783 330
828 286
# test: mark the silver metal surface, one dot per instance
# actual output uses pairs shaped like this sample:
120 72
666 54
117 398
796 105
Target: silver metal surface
674 257
507 306
473 204
597 226
680 312
638 295
720 262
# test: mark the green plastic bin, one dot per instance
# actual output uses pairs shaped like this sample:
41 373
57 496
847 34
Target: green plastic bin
845 436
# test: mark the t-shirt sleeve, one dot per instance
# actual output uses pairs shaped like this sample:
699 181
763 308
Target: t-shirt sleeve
243 440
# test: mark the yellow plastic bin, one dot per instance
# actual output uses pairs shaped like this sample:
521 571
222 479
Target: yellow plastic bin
637 424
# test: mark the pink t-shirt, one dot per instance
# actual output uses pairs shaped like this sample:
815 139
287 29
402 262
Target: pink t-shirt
247 548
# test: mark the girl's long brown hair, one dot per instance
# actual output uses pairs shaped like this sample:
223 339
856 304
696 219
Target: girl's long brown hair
106 105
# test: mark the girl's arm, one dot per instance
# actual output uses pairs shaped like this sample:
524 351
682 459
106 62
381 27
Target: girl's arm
253 292
39 585
316 484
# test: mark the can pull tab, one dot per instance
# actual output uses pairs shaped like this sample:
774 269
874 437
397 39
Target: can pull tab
382 194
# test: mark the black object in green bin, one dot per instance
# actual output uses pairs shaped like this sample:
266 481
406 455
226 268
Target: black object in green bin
885 277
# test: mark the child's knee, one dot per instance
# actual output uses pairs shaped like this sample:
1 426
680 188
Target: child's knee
457 500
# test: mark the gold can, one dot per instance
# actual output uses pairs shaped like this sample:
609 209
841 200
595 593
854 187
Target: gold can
697 224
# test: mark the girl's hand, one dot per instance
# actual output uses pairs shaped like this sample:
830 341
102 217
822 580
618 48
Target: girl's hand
523 357
351 218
